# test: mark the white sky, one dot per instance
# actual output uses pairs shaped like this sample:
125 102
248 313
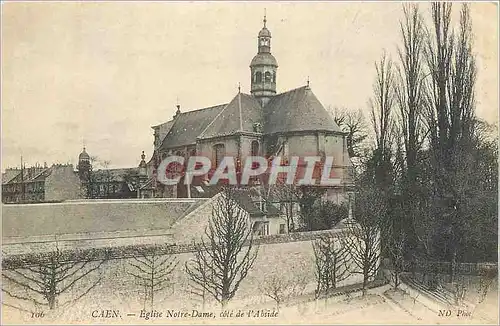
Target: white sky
104 73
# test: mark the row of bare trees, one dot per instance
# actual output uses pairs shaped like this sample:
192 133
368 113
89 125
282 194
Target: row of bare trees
45 278
222 260
58 278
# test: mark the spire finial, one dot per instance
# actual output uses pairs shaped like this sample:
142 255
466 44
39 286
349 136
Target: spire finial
307 81
239 87
143 156
265 20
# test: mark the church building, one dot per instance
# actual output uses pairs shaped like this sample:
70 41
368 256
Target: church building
262 123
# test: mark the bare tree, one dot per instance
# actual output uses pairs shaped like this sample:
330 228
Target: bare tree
227 254
459 289
107 177
197 285
332 264
486 279
396 254
288 196
410 84
44 278
451 104
362 240
411 95
281 288
382 104
152 270
353 123
380 170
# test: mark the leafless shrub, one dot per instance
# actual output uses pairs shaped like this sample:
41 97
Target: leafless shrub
282 288
486 279
362 241
50 275
332 264
396 251
152 271
459 291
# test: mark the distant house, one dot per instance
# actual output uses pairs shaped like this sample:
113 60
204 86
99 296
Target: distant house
267 215
39 184
114 183
266 218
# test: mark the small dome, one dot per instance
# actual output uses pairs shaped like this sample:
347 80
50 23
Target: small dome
264 59
264 32
84 155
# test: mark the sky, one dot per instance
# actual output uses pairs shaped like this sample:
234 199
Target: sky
100 74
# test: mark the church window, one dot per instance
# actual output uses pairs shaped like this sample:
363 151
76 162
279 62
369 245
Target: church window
267 77
274 78
255 148
258 77
220 152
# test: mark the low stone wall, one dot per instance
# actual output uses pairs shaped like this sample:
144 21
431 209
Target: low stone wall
168 248
288 256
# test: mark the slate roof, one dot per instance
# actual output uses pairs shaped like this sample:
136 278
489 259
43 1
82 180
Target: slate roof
264 32
117 175
264 59
91 216
189 125
163 130
297 110
10 174
246 198
30 174
239 115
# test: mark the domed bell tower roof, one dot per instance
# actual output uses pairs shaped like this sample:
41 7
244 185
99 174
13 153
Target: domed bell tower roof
264 31
263 68
84 156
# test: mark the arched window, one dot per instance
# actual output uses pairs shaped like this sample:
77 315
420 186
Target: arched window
258 77
268 77
220 152
274 78
255 148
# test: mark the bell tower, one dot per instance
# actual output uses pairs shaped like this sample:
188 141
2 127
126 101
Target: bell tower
263 68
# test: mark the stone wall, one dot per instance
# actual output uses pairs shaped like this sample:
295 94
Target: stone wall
288 257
